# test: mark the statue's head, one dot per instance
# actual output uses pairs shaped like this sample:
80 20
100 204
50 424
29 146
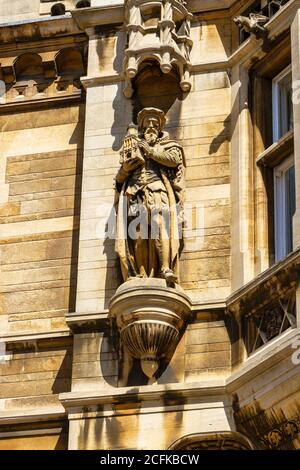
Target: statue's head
238 19
151 122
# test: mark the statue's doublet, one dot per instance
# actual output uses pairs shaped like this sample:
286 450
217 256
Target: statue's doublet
147 176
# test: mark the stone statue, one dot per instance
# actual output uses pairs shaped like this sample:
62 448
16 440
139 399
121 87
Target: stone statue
149 200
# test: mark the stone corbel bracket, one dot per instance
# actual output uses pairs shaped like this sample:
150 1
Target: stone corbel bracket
254 24
150 318
158 30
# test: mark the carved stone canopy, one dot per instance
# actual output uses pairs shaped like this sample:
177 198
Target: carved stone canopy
158 30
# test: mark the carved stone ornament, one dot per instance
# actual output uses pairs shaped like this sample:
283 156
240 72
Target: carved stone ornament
150 317
282 436
158 30
254 24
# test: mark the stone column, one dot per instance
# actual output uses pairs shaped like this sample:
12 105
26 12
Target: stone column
241 181
295 45
263 225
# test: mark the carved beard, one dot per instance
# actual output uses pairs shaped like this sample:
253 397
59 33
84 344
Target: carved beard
151 136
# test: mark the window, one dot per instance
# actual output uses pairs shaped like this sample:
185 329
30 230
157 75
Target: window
285 204
271 7
272 117
282 104
271 321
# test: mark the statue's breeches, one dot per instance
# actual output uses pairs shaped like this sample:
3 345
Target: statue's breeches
149 231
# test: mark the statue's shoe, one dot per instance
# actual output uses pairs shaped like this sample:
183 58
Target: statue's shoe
169 275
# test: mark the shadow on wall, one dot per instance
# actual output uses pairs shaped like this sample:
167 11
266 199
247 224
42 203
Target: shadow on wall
153 88
225 34
112 43
62 443
109 432
229 124
124 428
108 357
63 377
76 138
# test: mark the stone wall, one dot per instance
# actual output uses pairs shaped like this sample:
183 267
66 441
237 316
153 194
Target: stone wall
43 151
35 374
11 10
204 352
42 154
203 130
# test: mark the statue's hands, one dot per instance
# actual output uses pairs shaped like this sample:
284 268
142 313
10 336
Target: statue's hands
146 148
131 164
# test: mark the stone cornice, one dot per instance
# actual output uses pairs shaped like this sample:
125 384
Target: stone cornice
148 393
14 342
283 19
80 322
87 18
174 395
86 322
42 45
47 27
249 51
276 153
37 29
284 273
32 415
42 103
115 14
277 350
